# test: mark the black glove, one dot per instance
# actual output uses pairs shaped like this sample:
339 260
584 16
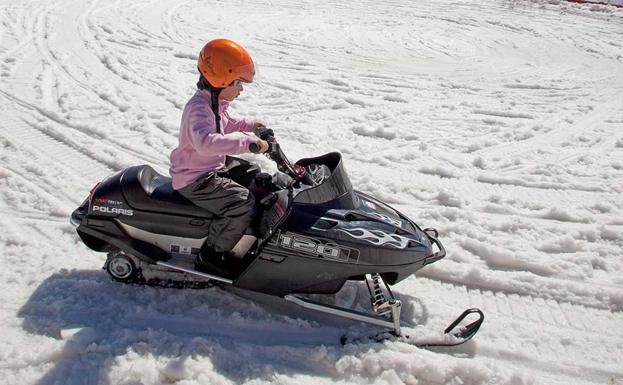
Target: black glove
263 180
281 180
264 132
276 182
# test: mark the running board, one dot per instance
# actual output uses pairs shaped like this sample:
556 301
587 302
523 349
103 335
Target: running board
390 323
195 272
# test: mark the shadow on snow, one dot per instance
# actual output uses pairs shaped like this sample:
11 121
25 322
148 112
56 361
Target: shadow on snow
102 321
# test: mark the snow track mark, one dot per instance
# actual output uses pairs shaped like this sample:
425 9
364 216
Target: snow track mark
515 325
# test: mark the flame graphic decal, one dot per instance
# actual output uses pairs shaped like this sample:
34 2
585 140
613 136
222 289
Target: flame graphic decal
378 237
386 219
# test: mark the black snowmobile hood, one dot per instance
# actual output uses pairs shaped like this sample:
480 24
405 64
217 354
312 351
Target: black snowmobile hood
372 207
338 196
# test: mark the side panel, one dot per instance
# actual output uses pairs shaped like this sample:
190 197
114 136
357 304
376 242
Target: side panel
169 243
173 225
379 243
109 231
296 263
150 236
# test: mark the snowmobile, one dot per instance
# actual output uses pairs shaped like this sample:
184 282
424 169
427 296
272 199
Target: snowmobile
313 232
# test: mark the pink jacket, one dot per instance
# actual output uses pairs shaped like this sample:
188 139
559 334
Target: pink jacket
201 148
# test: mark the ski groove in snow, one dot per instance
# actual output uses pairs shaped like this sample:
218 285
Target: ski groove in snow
528 320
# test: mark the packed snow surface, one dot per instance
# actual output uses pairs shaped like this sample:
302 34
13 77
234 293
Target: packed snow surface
498 122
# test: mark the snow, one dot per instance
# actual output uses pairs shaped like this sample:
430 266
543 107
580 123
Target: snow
500 123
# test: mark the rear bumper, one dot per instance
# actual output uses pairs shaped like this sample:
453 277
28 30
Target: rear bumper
76 217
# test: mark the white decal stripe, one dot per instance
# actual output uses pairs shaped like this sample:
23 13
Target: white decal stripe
394 240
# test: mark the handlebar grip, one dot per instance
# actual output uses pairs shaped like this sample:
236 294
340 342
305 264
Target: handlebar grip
264 132
254 148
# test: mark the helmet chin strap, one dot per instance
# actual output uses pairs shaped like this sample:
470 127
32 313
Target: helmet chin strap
203 84
215 92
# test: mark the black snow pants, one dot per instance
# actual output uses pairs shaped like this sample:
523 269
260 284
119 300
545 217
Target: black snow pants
225 193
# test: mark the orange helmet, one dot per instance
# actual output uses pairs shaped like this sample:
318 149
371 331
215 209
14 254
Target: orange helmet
222 61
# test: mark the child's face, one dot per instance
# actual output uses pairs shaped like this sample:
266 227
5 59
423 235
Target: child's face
232 91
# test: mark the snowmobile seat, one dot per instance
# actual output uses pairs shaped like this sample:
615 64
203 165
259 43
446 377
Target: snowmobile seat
147 190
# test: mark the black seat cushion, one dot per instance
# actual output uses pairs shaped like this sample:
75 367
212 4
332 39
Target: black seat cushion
147 190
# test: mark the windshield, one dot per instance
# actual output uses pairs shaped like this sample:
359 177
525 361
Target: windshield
334 186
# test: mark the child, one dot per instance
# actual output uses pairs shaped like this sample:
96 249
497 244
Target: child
207 135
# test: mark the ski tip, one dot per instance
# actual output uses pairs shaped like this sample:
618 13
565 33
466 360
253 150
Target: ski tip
455 334
468 331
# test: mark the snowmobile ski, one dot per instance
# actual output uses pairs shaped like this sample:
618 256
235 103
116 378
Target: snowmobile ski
453 335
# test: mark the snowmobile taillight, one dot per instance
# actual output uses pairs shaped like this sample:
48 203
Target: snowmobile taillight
92 191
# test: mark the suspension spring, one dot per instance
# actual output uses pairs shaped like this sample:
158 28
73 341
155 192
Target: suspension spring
379 302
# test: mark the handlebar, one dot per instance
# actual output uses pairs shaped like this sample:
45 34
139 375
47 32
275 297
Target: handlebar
276 154
254 148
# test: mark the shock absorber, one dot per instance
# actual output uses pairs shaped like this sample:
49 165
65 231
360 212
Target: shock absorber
380 304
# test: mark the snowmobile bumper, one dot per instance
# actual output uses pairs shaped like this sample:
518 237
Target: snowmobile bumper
76 218
436 256
78 214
